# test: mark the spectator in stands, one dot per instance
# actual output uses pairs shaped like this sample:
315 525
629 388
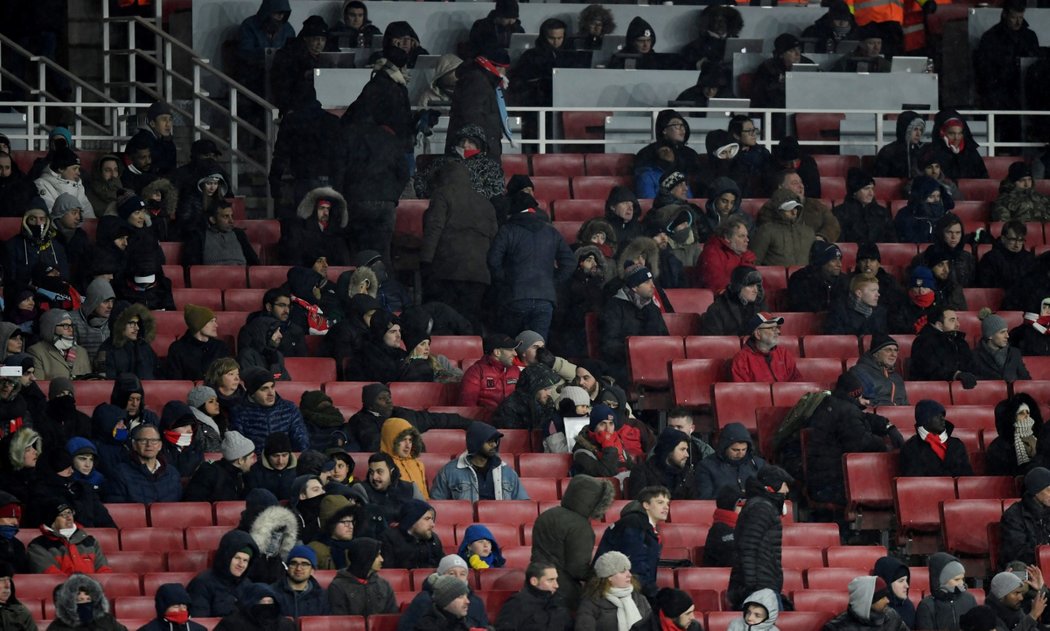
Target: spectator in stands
141 475
325 423
413 543
1032 335
91 320
355 30
66 218
317 230
378 406
358 589
835 26
173 610
714 25
724 253
34 243
223 480
997 62
669 466
470 146
81 598
595 22
978 619
927 203
930 166
522 262
479 100
536 607
57 354
382 358
608 446
268 28
1008 595
583 294
478 473
1023 527
812 287
219 241
751 163
138 172
840 426
635 535
912 314
939 258
223 376
159 136
307 495
761 360
858 313
671 130
64 547
759 535
734 462
1017 447
298 592
994 358
877 372
948 236
12 550
940 351
788 156
720 545
639 50
376 172
191 354
257 609
767 88
293 64
129 395
531 76
785 239
55 481
450 608
144 281
932 451
531 405
955 148
109 433
63 176
681 419
532 349
814 212
612 598
480 549
867 56
1018 200
458 229
13 614
304 148
84 454
400 440
495 30
869 605
760 612
451 565
869 265
182 445
258 344
265 412
631 311
862 218
387 492
1009 260
339 517
275 471
948 600
897 575
15 189
276 303
216 591
494 377
900 158
127 349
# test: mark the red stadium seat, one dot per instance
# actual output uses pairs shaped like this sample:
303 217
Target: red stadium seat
190 560
979 417
897 254
835 165
998 166
152 539
608 163
267 276
578 209
515 441
838 346
801 324
135 607
712 346
176 274
472 412
181 514
801 557
515 163
153 580
500 579
823 370
889 188
445 441
136 562
964 529
820 535
539 465
564 164
540 488
319 369
692 380
583 125
205 537
832 188
648 359
347 393
409 218
690 300
457 347
37 586
454 511
517 557
768 420
984 190
507 511
172 252
916 501
398 578
548 187
985 393
869 490
830 578
977 297
433 463
788 393
331 623
833 601
218 276
568 230
386 621
243 299
736 402
698 512
861 557
682 324
261 231
127 515
986 487
419 395
939 391
598 186
117 585
701 578
803 620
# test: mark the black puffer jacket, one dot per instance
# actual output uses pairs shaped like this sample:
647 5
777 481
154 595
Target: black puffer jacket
257 350
384 100
1002 268
759 538
618 320
1000 457
864 223
521 410
634 536
404 550
474 101
937 355
534 610
522 257
303 240
376 167
809 289
458 228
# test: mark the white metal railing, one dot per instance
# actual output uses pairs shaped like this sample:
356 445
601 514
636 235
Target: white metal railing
204 105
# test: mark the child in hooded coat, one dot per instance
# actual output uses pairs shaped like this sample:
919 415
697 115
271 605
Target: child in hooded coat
473 548
949 600
759 614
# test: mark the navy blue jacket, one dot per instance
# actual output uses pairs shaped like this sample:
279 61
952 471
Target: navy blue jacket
523 256
635 537
257 422
132 482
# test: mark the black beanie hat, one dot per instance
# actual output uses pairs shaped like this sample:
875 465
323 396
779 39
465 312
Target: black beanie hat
1018 170
63 157
869 251
277 443
857 179
255 378
371 392
672 602
980 618
518 182
787 150
849 385
774 477
727 497
58 460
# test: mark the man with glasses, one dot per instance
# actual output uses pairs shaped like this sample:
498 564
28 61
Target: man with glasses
277 303
1009 260
299 593
62 547
761 360
671 129
141 476
752 161
57 353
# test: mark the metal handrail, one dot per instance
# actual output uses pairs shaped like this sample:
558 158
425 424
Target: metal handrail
161 58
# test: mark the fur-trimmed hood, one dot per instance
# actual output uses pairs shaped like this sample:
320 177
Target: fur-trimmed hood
21 439
394 431
169 197
66 599
588 496
119 321
592 227
713 14
275 531
357 277
644 247
337 215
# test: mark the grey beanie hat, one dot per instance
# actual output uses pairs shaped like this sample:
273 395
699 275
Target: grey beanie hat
526 339
1005 582
200 395
235 445
575 394
610 563
448 562
991 324
448 588
950 570
1037 479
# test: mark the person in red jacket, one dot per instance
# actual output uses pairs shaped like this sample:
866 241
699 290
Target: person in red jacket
492 378
724 251
761 360
62 547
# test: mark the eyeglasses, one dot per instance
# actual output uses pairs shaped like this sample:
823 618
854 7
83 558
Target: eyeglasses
299 564
345 522
64 325
1014 239
148 441
753 130
769 328
134 323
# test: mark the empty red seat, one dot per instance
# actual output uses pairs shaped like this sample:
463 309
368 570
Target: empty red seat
507 511
433 461
564 164
568 230
578 209
609 163
151 539
712 346
819 535
803 620
117 584
916 501
979 189
736 402
700 578
454 511
818 369
266 276
831 578
457 347
242 299
332 623
218 276
964 525
869 490
205 537
598 186
128 515
832 188
517 557
135 607
699 512
494 579
515 441
690 300
190 560
420 395
548 187
801 557
261 231
835 165
861 557
692 380
788 393
837 346
153 580
939 391
648 359
532 465
181 514
979 417
984 393
319 369
540 488
515 163
801 323
985 487
445 441
136 562
833 601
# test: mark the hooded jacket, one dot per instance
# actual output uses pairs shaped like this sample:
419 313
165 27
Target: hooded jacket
649 61
92 331
215 592
458 480
477 532
1025 526
717 471
768 599
167 595
111 449
434 95
965 164
687 161
522 256
275 531
124 386
885 387
728 314
412 468
251 615
634 536
51 184
475 102
78 493
458 228
424 602
253 38
657 471
13 614
358 591
890 569
626 231
759 538
839 426
563 536
303 238
1001 455
49 361
782 241
900 158
402 548
67 615
119 354
26 249
257 350
942 609
859 615
521 410
54 553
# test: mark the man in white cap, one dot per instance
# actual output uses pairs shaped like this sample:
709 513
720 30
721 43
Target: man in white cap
761 360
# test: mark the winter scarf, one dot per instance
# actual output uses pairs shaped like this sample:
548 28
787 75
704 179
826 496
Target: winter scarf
626 611
998 354
937 442
856 305
1022 430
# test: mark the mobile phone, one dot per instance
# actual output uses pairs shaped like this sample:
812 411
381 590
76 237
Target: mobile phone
10 371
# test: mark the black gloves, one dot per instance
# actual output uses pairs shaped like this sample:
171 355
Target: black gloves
969 381
930 7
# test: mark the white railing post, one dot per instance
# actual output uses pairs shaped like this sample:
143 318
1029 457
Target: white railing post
234 163
78 122
991 134
542 119
30 127
132 75
107 46
169 93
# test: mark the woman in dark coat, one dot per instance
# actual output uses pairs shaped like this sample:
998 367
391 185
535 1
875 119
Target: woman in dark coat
1017 416
475 100
131 330
458 229
862 218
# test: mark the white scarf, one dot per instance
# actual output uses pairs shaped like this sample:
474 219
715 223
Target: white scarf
1022 429
626 611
